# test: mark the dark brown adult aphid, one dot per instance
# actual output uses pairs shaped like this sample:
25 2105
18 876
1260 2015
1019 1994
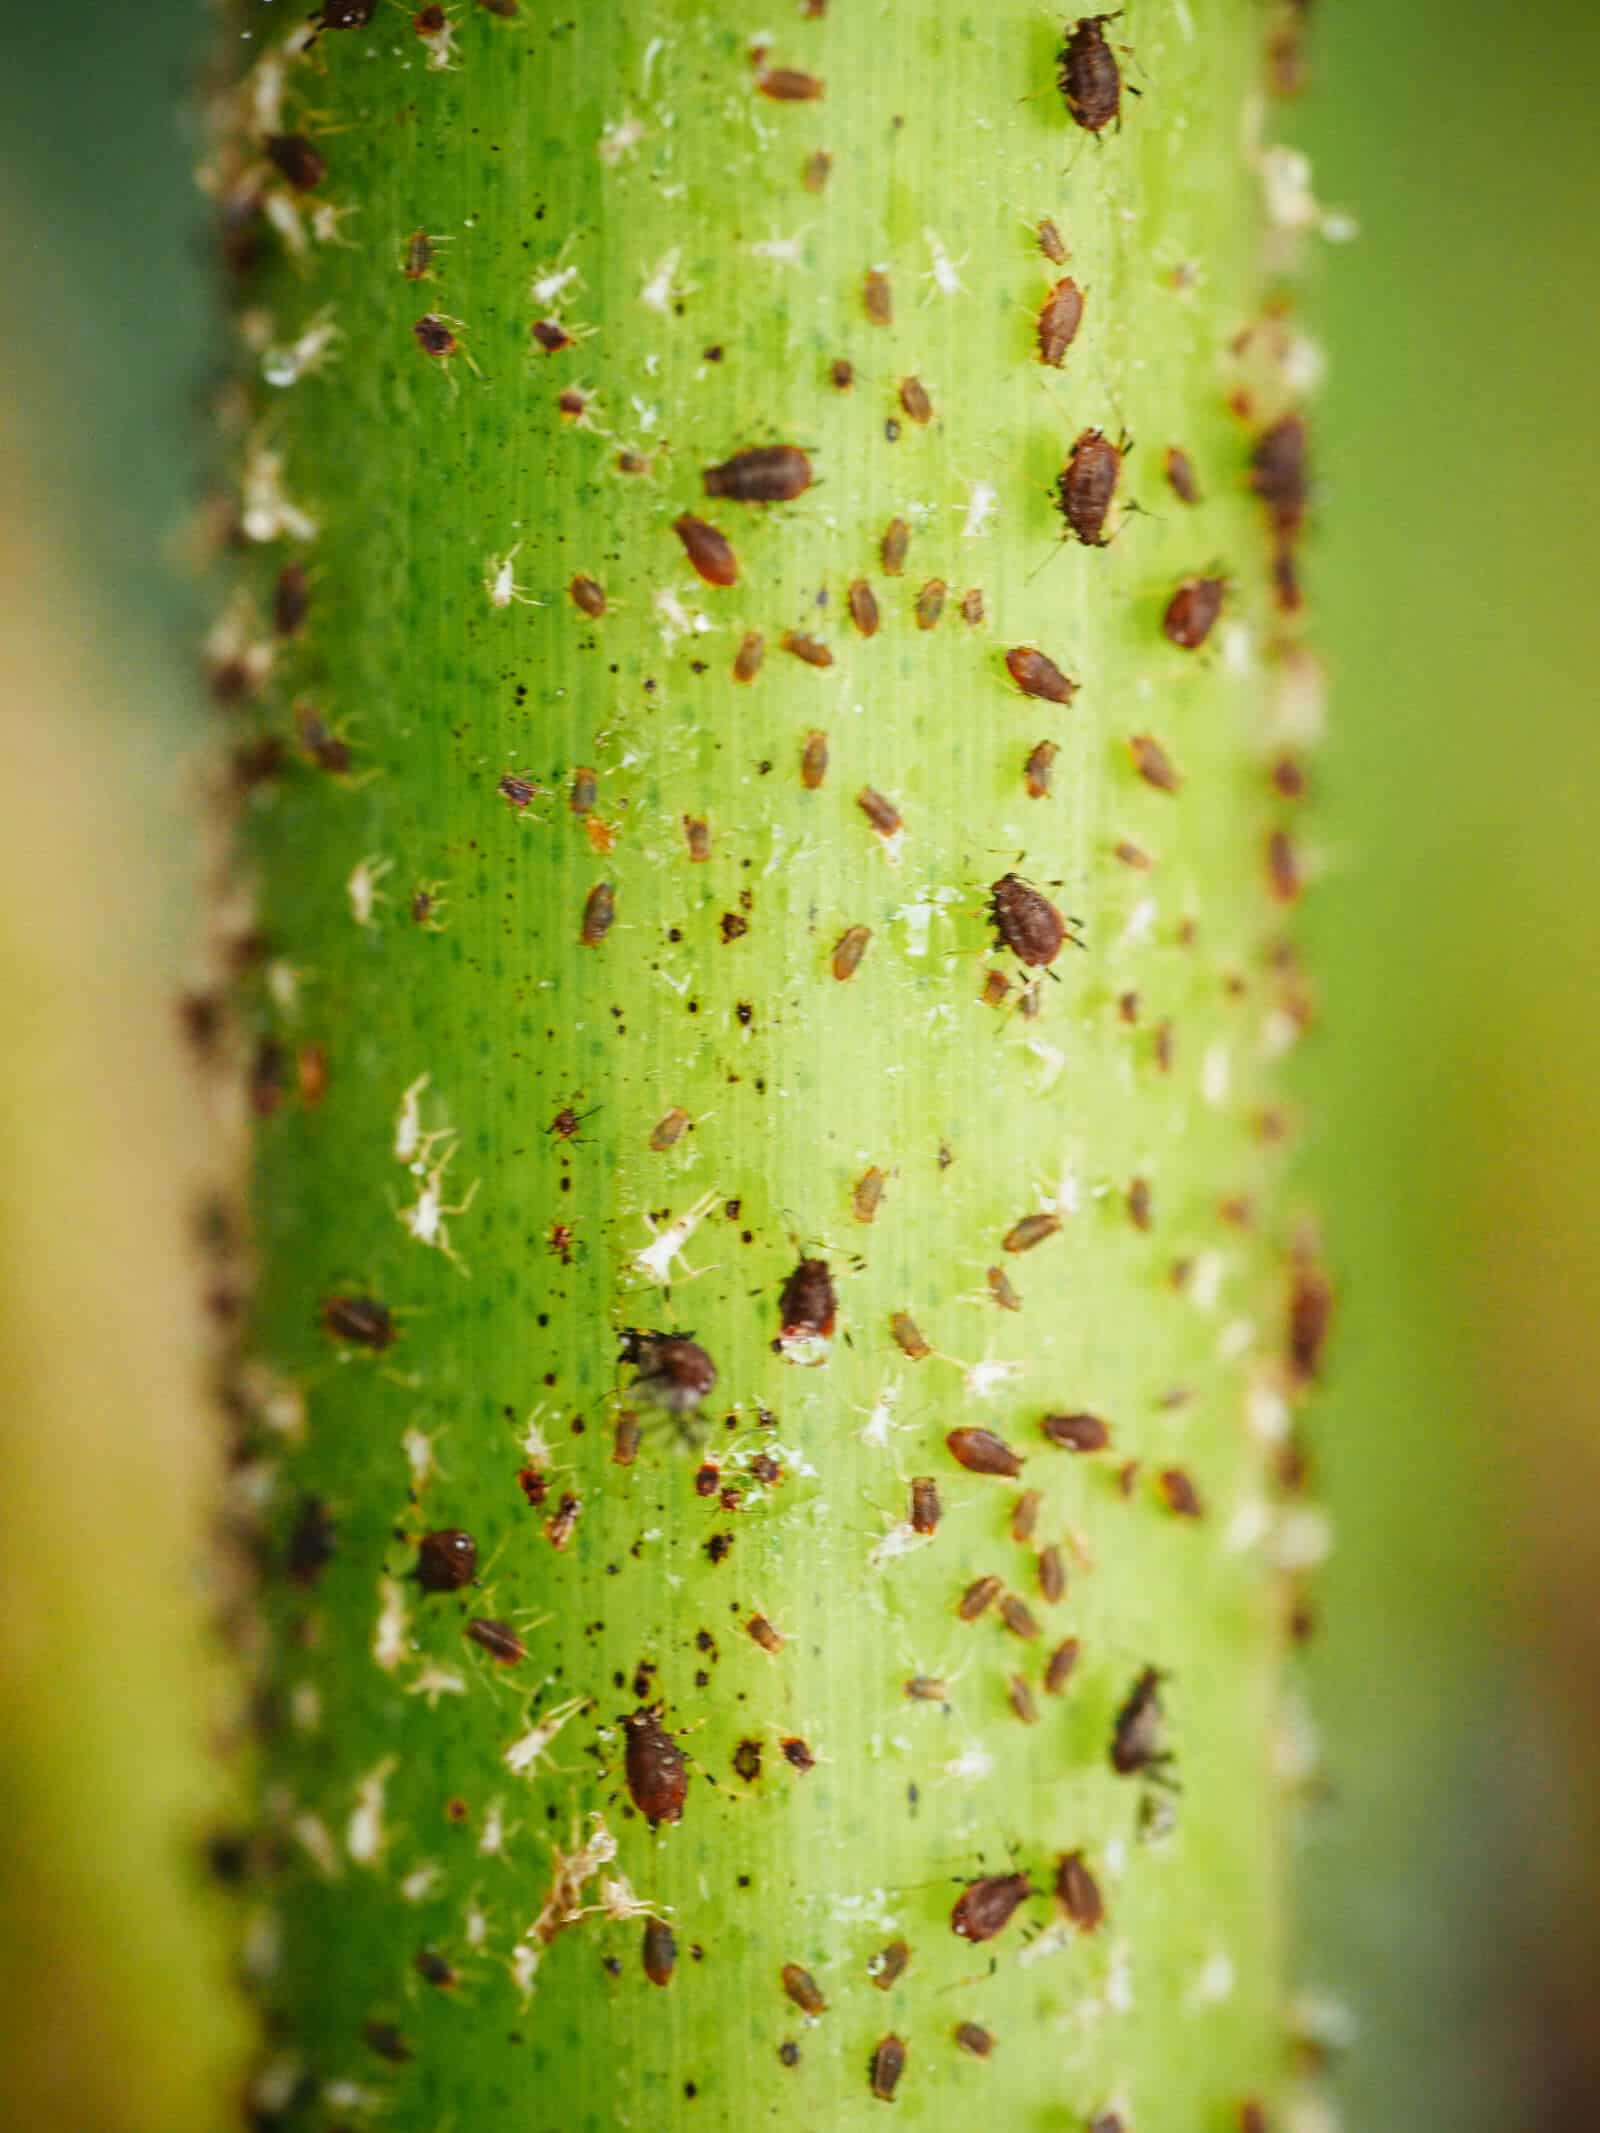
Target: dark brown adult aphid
767 474
293 158
434 337
996 987
866 1195
863 604
1020 1698
924 1504
361 1321
888 2064
914 399
1058 1669
498 1639
1153 763
417 258
1019 1618
1036 674
697 836
985 1908
658 1776
787 85
747 660
311 1542
518 792
1178 1493
1026 922
884 816
841 374
1087 484
291 600
1052 1575
1181 476
850 948
803 1989
434 1969
930 604
980 1451
1140 1204
1037 770
1025 1515
1138 1734
765 1633
974 2038
811 650
599 909
814 761
908 1336
1060 316
1278 474
1310 1318
797 1754
671 1371
888 1966
1000 1289
562 1523
551 335
807 1306
1051 242
582 797
626 1439
1192 612
1030 1231
892 548
977 1598
1089 78
659 1953
1076 1433
321 744
588 595
878 297
346 14
1078 1893
710 552
446 1560
386 2039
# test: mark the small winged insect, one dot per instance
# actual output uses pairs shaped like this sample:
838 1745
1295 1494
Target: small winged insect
671 1370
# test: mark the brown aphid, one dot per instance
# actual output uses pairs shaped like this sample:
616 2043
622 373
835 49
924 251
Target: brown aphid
386 2040
518 792
562 1523
977 1598
1141 1210
345 14
803 1989
814 761
294 158
1181 477
878 297
1036 772
1310 1318
892 548
747 660
1192 612
811 650
582 797
884 816
659 1951
447 1559
1089 78
850 948
657 1775
1025 1515
697 836
669 1129
980 1451
498 1639
291 600
1087 484
764 1633
416 260
1035 674
787 85
1283 868
433 1968
973 2038
1052 1575
863 604
588 595
1287 590
671 1371
914 399
1020 1697
1058 1669
1289 778
1153 763
311 1542
986 1907
841 374
797 1754
888 1966
1029 925
710 552
1138 1734
550 334
817 170
1252 2117
766 474
626 1439
926 1688
573 403
320 743
1078 1893
930 604
925 1506
599 910
268 1071
1001 1290
1179 1493
888 2064
1278 474
1018 1617
1030 1231
434 337
807 1306
996 986
866 1195
1059 319
1076 1433
972 605
360 1321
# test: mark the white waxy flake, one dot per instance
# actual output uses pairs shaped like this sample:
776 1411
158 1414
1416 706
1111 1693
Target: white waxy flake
621 137
314 1837
660 290
389 1633
656 1260
363 1836
981 507
526 1752
1216 1074
434 1681
782 251
420 1883
362 888
944 272
266 513
1213 1982
900 1540
971 1766
426 1218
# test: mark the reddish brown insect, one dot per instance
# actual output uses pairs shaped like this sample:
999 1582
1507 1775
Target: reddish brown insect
811 650
697 836
878 297
1026 922
599 910
925 1688
804 1990
1076 1433
1036 772
1087 485
807 1305
765 1633
766 474
387 2041
446 1560
1020 1698
361 1321
1310 1318
418 256
291 600
433 1969
294 159
625 1440
1179 1493
914 399
659 1953
974 2038
996 986
321 744
1078 1893
582 797
892 548
1283 868
797 1755
1025 1515
818 169
1001 1290
841 374
814 761
1278 474
985 1908
518 792
908 1336
1052 1575
1018 1617
925 1504
1058 1671
346 14
1153 763
710 552
550 334
1051 243
1141 1211
671 1371
863 602
669 1129
434 337
1181 477
930 604
977 1598
884 816
562 1523
1138 1734
847 954
888 2064
972 605
1089 79
787 85
980 1451
588 595
1035 674
498 1639
1192 612
658 1776
888 1966
1030 1231
1059 320
311 1542
747 660
866 1195
1252 2117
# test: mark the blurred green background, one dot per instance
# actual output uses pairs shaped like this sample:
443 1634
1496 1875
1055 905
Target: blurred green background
1452 1875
